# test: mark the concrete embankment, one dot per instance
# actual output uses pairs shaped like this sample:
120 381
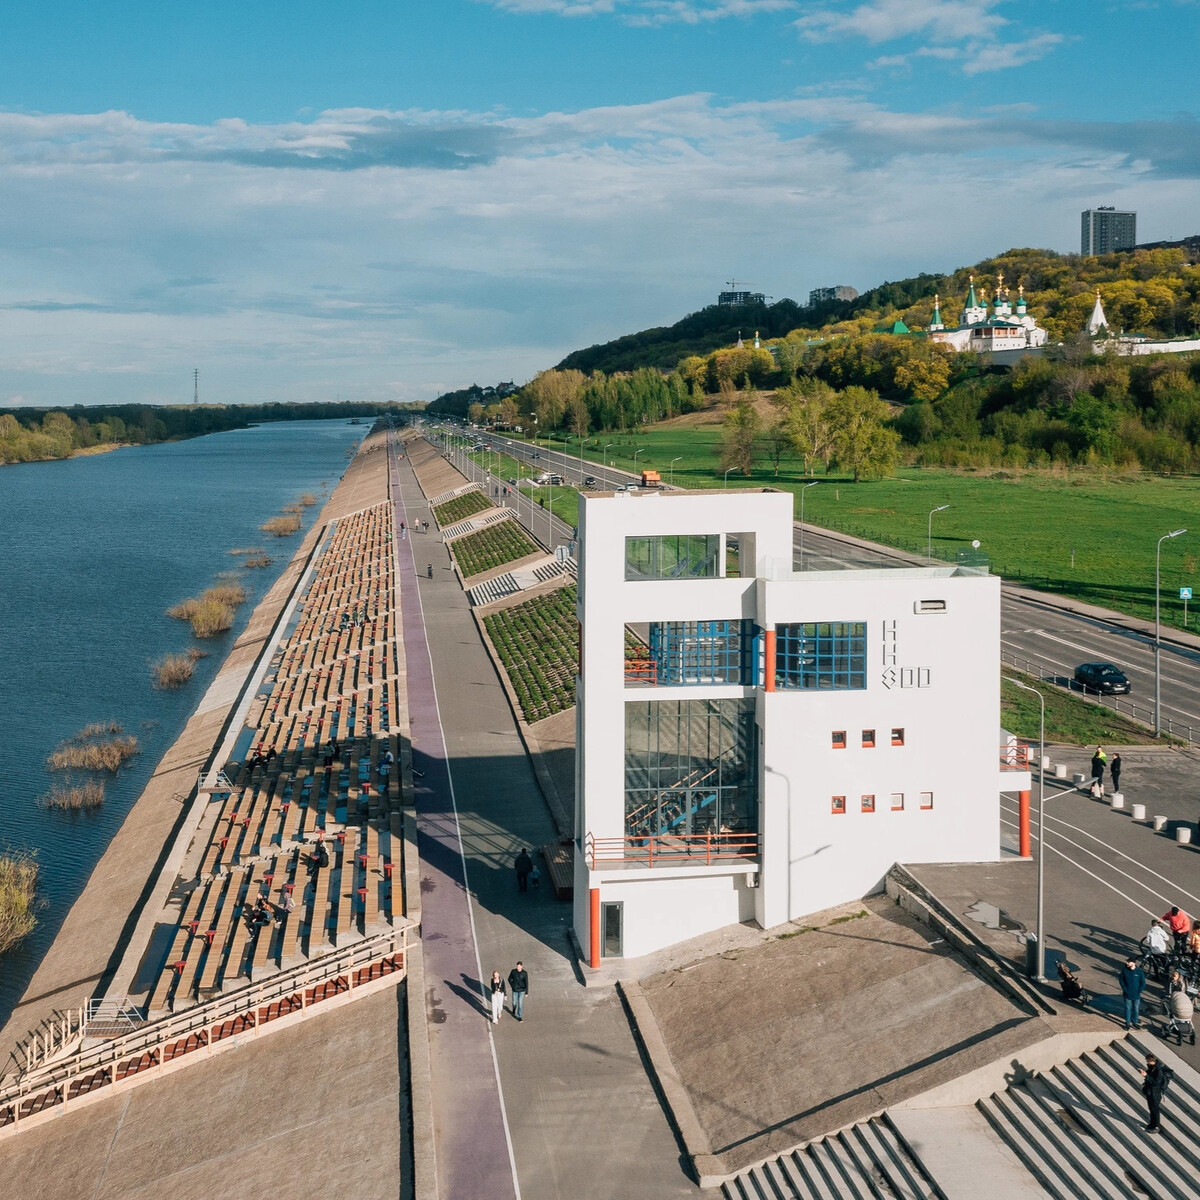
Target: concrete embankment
97 930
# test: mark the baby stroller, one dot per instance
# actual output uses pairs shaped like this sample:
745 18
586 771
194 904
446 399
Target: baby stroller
1180 1011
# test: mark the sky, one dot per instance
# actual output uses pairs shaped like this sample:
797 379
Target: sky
387 200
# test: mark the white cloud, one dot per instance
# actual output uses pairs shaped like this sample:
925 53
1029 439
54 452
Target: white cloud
999 56
382 253
647 12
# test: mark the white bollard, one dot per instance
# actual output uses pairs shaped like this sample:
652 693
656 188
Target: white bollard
1138 812
1060 771
1183 835
1118 800
1160 823
1045 762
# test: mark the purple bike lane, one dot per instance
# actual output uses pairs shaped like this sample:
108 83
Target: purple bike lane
474 1150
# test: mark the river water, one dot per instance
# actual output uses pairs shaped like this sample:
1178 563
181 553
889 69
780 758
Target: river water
93 551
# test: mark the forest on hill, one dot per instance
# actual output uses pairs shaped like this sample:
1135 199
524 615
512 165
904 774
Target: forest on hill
41 434
853 394
1152 291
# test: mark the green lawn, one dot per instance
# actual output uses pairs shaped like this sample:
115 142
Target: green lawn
537 643
1028 524
1069 720
466 505
492 546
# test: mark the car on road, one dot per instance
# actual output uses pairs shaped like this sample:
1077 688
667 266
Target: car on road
1102 678
589 481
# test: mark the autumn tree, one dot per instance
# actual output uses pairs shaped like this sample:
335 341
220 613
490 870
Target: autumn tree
861 443
739 436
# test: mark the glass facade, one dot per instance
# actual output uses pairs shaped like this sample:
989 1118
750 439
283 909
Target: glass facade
825 656
690 767
692 652
675 556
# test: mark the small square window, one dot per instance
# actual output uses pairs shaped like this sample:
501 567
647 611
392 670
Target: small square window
838 807
839 739
868 738
897 737
868 804
926 799
897 802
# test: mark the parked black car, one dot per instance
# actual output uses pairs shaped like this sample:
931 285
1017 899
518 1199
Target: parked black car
1103 678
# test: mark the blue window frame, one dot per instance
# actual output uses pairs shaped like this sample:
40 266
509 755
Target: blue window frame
695 652
823 656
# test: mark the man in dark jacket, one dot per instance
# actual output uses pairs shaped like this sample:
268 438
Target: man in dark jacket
1133 982
524 865
1155 1078
518 984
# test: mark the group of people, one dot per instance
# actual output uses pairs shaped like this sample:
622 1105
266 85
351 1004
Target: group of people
518 983
527 871
1099 763
259 759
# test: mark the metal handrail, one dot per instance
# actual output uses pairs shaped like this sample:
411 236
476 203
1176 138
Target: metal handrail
174 1035
670 847
1014 757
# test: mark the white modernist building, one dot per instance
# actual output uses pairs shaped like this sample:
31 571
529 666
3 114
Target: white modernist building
755 743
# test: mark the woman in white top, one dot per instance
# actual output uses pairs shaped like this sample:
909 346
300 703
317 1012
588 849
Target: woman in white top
496 987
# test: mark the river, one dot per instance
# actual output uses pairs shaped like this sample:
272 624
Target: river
93 550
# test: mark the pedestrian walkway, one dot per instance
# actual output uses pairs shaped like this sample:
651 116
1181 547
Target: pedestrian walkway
473 1151
583 1116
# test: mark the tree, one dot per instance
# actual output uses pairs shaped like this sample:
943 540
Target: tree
549 393
475 413
861 443
778 442
806 420
739 436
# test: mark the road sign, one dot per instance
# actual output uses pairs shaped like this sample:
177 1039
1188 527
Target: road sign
1185 593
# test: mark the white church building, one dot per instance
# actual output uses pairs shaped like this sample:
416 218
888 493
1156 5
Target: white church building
1005 327
756 743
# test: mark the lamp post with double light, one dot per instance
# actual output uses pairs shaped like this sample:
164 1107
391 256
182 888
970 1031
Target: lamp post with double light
1158 631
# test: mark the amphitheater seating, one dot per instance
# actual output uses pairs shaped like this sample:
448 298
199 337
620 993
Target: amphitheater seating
334 677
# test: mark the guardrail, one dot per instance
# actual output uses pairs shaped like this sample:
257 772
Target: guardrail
658 849
174 1041
1014 757
1118 704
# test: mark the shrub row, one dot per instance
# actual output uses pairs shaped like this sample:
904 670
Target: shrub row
461 507
491 547
538 646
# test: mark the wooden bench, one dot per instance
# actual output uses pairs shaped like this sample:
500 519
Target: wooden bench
560 869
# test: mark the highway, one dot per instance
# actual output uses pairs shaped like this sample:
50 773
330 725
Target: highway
1036 635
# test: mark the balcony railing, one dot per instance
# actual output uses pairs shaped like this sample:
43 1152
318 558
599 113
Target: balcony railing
665 849
639 669
1014 757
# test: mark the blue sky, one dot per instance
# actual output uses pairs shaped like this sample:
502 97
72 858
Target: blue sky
386 200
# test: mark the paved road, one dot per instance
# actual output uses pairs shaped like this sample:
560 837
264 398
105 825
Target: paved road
1035 635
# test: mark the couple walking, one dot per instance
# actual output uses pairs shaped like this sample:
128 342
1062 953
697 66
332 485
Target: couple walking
518 981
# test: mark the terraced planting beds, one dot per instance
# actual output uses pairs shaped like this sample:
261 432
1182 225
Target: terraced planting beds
491 547
537 643
466 505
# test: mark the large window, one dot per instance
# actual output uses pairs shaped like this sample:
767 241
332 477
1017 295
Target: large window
829 655
690 767
675 556
687 652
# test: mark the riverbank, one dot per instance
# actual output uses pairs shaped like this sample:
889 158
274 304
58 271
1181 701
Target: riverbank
89 945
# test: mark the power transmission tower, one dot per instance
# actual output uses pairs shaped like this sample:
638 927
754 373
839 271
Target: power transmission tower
196 393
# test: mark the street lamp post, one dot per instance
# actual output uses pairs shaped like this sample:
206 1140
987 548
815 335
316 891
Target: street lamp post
581 442
725 485
802 491
1041 827
929 532
635 454
673 462
604 459
1158 632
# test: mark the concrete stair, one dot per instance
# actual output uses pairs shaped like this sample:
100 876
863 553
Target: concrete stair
867 1159
477 522
453 492
493 589
1078 1128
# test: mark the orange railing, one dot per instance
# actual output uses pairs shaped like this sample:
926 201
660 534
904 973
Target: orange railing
1014 758
641 670
663 848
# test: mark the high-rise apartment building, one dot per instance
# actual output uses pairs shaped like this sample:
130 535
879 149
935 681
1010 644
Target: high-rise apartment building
1103 230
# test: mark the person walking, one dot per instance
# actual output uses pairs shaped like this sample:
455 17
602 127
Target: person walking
496 989
524 865
518 982
1098 761
1114 769
1155 1077
1133 983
